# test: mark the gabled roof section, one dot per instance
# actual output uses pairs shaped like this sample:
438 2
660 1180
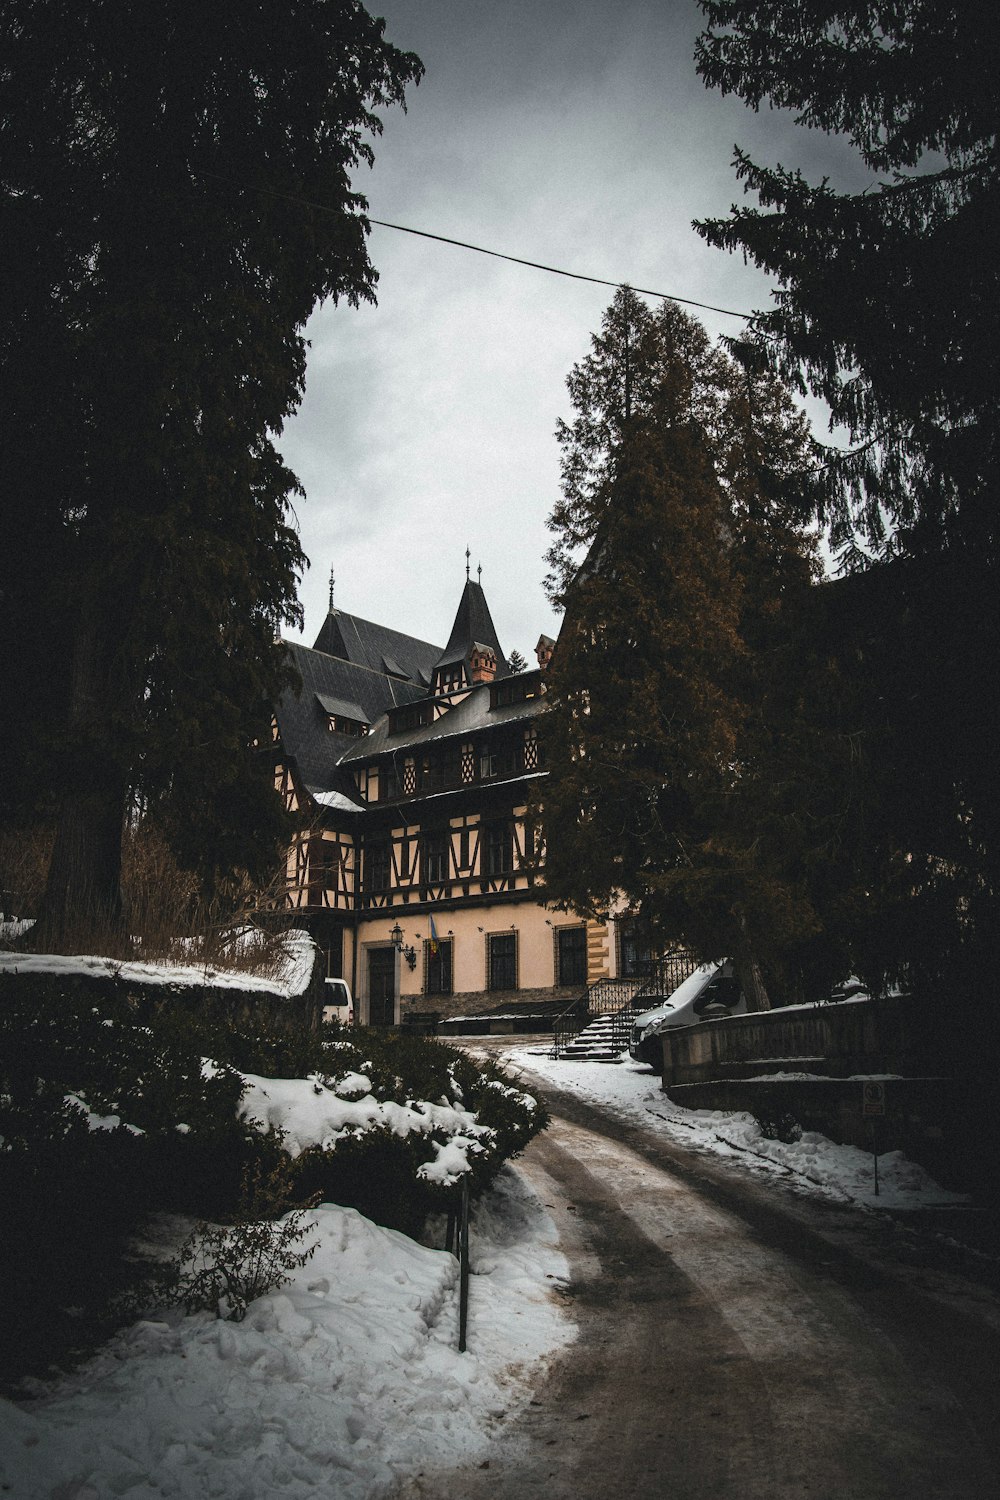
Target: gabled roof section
304 722
351 639
473 627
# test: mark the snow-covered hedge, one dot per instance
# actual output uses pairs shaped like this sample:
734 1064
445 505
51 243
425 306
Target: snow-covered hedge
104 1117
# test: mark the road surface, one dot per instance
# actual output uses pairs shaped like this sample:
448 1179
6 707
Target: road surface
738 1343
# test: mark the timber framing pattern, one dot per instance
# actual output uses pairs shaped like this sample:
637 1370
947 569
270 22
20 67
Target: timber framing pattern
413 766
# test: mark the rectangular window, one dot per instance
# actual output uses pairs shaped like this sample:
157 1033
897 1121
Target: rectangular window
502 960
391 784
377 867
499 850
636 955
437 967
434 858
571 955
324 864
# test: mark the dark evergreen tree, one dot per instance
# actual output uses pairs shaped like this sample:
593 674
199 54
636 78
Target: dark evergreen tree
157 164
673 724
889 308
889 301
516 661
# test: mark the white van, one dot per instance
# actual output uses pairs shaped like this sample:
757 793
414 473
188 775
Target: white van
339 1005
712 984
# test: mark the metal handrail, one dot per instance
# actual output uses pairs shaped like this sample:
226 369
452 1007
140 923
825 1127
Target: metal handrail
618 997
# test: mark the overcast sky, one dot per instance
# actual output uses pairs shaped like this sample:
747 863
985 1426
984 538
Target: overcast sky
577 134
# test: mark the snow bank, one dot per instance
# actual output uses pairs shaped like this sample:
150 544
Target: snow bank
812 1164
336 1384
291 977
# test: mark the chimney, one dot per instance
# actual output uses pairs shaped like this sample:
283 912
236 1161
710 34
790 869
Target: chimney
483 664
544 649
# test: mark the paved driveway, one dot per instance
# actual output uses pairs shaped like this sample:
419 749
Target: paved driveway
739 1343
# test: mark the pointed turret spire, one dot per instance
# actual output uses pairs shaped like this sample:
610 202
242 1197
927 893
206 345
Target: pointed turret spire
332 582
473 635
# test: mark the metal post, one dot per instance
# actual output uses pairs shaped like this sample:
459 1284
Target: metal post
463 1269
875 1153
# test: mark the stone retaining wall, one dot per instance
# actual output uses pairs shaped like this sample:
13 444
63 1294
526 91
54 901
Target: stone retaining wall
929 1119
149 998
855 1036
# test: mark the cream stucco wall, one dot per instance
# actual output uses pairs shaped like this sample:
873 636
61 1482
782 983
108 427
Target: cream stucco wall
468 930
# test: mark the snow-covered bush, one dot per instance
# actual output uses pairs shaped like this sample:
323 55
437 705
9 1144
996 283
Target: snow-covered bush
104 1118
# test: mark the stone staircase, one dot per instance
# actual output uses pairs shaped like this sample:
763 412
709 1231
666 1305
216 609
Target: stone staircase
604 1039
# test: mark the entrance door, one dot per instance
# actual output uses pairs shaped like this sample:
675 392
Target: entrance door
381 986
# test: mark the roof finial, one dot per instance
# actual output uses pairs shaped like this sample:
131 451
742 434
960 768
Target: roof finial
479 571
468 559
332 581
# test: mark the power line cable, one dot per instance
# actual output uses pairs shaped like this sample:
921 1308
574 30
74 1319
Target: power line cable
444 239
537 265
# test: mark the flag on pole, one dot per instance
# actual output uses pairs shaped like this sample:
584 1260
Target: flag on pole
434 938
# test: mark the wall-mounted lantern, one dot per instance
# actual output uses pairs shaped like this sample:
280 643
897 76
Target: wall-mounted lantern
408 951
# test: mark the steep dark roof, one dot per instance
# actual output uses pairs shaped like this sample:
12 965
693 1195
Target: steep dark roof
469 716
303 721
473 626
388 652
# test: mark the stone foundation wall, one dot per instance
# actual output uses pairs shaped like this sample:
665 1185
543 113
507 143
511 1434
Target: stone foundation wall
499 1010
480 1002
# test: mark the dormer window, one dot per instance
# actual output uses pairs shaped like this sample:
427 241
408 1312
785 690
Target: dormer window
342 716
450 678
338 725
410 716
520 689
391 668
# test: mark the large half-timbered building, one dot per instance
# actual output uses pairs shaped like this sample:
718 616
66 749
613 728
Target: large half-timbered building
411 764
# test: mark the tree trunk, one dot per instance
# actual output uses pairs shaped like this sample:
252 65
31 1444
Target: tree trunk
82 905
748 972
752 983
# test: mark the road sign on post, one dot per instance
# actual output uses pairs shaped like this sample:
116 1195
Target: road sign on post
872 1097
873 1107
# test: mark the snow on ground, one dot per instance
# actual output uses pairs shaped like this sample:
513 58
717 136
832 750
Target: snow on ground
336 1384
292 971
812 1164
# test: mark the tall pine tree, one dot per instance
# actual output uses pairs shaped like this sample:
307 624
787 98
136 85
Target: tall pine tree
681 477
157 163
